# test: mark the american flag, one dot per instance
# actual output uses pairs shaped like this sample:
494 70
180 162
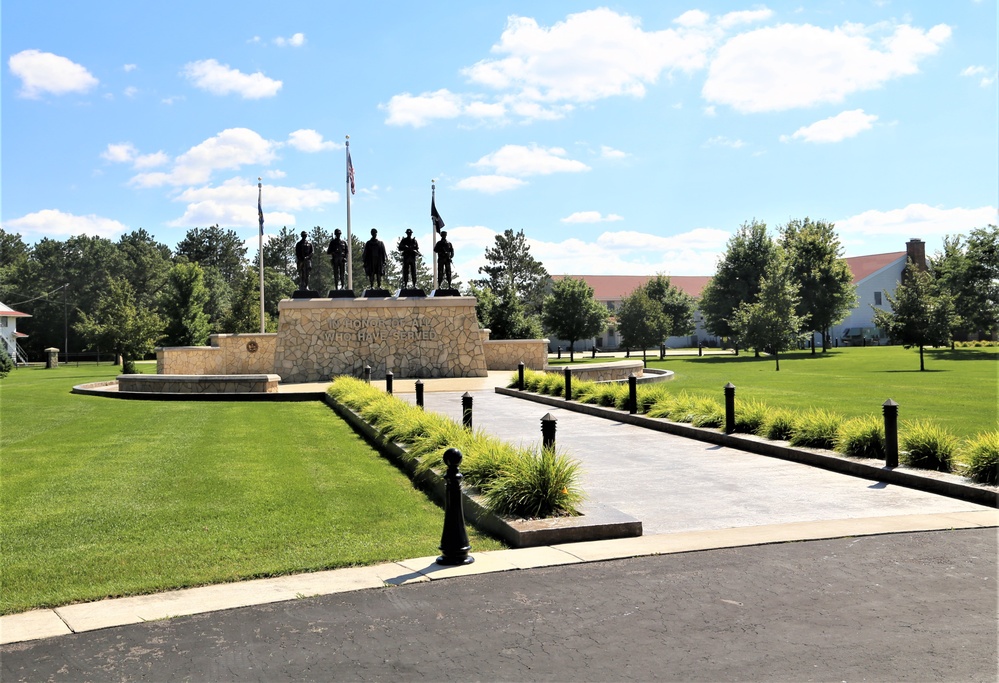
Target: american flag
350 173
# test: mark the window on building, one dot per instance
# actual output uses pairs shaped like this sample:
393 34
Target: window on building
610 305
877 298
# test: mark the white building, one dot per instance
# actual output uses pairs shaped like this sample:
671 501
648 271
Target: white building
9 334
873 275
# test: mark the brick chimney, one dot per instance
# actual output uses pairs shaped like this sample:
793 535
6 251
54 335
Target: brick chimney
915 251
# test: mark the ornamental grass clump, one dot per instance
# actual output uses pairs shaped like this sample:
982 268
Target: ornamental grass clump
981 458
707 412
514 481
927 446
750 416
553 384
816 429
535 484
862 437
778 425
649 395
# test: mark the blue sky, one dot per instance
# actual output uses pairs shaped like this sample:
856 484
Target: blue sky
623 138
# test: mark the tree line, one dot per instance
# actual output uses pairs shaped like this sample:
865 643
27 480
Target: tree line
129 295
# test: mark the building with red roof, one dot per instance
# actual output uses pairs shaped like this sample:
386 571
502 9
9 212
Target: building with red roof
9 334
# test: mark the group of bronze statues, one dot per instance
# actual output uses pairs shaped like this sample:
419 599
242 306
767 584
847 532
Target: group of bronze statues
374 258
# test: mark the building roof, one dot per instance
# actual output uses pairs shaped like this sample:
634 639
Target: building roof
9 312
616 287
865 266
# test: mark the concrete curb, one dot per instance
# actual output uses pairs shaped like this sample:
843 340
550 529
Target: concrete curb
959 490
101 389
597 521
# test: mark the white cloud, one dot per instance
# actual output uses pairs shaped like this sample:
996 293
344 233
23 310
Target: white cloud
129 67
517 160
722 141
221 79
151 160
297 40
44 72
230 149
490 184
120 152
55 223
694 17
844 125
918 220
988 75
234 203
419 110
744 17
611 153
789 66
275 173
308 140
485 110
591 217
131 91
588 56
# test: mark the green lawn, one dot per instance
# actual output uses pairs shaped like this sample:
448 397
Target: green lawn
958 390
103 497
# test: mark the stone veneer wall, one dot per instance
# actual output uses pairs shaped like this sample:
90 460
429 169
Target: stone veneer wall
604 372
506 354
229 354
198 384
412 337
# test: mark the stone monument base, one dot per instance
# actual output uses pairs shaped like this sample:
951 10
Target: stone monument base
413 337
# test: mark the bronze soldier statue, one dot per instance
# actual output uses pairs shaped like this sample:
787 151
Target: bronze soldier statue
374 260
338 254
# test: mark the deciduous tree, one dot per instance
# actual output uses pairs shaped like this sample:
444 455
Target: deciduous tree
920 314
183 304
570 312
641 321
118 322
771 323
737 279
969 272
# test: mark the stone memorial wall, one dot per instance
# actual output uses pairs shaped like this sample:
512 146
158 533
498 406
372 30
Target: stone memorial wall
412 337
229 354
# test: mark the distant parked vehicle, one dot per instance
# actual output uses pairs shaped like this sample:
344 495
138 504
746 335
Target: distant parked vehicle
862 336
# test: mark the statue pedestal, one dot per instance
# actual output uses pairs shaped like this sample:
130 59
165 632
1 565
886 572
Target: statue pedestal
445 292
341 294
409 292
413 337
305 294
376 294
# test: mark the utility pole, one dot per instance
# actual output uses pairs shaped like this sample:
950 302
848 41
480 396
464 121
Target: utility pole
65 324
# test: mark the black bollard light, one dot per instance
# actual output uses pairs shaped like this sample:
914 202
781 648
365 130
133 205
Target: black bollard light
729 408
367 374
662 351
567 373
700 349
466 411
548 431
520 376
890 409
632 393
594 352
419 392
388 381
560 353
454 538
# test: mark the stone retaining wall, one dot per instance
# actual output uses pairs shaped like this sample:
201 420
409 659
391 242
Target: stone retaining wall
199 384
229 354
506 354
604 372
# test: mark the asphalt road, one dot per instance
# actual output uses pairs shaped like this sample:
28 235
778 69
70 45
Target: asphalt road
913 607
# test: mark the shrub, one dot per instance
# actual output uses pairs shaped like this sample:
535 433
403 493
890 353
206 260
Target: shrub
535 485
682 409
778 425
750 416
607 393
981 457
662 407
553 384
6 364
816 429
927 446
862 437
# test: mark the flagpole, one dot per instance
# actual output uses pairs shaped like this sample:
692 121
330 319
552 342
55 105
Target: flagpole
260 250
350 242
433 236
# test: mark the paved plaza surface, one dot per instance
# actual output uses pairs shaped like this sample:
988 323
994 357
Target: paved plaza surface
913 607
676 484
